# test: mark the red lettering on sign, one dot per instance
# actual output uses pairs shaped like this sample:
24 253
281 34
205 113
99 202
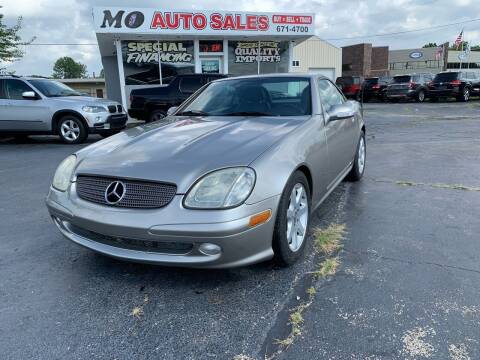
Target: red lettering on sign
172 20
262 23
292 19
216 21
186 18
199 21
157 21
228 23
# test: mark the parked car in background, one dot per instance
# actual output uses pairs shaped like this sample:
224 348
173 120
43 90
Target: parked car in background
350 86
33 106
230 179
458 84
375 88
413 86
152 103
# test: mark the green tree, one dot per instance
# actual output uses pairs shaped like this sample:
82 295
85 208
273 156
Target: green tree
67 68
10 41
430 45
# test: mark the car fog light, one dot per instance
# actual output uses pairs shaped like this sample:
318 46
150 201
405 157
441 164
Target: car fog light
98 119
210 249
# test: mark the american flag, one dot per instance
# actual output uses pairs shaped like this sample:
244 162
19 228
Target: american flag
458 42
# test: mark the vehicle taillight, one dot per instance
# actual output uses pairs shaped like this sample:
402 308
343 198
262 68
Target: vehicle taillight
411 85
455 82
430 84
376 87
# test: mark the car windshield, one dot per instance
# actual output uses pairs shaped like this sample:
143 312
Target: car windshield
401 79
51 88
446 76
265 96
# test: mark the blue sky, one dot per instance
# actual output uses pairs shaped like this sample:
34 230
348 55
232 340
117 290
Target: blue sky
55 21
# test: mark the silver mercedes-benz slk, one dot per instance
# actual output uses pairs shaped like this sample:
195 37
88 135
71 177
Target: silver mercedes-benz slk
229 178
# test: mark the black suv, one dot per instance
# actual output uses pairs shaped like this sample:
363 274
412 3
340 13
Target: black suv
458 84
375 88
413 86
152 103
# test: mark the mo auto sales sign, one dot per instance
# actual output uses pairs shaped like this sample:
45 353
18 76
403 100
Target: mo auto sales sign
183 22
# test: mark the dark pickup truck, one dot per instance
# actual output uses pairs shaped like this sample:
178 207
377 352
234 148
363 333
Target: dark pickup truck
152 103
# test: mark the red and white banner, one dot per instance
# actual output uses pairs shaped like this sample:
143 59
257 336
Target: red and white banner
159 21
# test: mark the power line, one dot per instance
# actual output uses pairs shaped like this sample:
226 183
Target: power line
405 31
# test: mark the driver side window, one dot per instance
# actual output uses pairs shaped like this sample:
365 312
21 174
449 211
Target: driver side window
329 94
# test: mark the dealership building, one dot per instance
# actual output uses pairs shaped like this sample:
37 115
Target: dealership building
149 47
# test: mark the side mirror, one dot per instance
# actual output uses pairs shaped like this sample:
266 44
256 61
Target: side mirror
30 95
171 110
342 111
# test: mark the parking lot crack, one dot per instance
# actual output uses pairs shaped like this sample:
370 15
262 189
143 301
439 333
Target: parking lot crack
411 262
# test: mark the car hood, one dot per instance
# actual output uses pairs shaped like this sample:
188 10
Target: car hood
87 100
182 149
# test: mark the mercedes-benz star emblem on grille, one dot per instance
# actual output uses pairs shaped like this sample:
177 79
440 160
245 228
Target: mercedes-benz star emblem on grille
115 192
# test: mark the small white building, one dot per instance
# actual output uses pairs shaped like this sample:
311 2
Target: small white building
317 55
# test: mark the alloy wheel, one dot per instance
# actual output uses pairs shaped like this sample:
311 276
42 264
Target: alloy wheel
297 217
421 96
361 155
70 130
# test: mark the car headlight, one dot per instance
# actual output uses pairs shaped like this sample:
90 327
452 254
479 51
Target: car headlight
64 172
221 189
94 109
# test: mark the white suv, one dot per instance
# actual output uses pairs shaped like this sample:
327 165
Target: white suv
31 106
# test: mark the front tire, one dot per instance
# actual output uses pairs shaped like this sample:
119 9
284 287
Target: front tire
156 115
465 95
72 130
293 219
359 162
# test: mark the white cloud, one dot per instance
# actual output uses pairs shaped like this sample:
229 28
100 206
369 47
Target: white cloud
70 21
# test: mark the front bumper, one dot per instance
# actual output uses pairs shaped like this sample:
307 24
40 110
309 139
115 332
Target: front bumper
106 122
168 236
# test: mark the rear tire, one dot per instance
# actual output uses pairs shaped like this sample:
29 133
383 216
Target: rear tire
156 115
465 95
359 162
72 130
420 96
293 219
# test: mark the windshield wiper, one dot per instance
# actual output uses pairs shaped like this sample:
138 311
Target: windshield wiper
193 113
248 113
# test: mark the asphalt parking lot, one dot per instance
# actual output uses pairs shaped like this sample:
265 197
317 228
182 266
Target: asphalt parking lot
407 286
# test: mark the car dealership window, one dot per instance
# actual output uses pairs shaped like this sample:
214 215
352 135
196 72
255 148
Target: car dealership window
15 89
329 94
156 62
253 57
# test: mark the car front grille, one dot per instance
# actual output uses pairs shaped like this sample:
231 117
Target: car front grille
171 248
137 193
